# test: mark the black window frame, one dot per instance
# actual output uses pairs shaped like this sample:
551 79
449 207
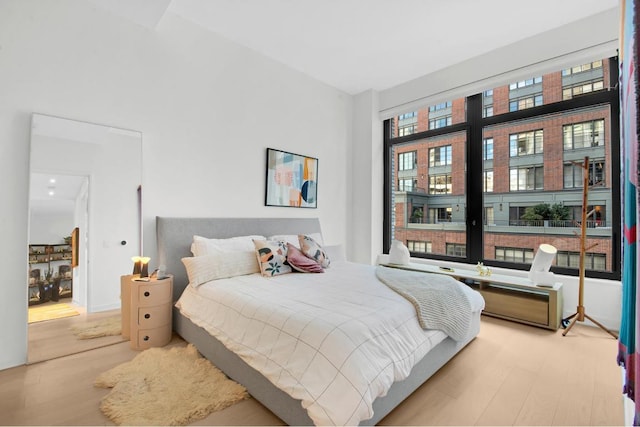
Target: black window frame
473 126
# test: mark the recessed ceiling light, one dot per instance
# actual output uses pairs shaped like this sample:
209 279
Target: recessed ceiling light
52 180
51 192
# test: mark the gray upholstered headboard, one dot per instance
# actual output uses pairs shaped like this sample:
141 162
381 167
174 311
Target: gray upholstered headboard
174 237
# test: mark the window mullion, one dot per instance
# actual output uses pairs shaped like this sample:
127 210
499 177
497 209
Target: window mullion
475 166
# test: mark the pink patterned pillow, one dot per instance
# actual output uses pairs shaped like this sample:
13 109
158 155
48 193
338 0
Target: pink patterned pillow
300 262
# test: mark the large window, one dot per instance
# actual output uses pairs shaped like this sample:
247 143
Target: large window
505 174
573 174
526 143
440 156
440 184
417 246
526 178
519 255
584 135
406 184
592 261
407 161
487 149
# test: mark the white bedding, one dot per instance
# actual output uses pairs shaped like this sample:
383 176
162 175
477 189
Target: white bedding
335 340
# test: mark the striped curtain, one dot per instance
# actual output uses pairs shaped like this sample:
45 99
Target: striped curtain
629 327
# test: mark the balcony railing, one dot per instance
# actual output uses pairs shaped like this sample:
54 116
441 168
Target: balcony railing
553 223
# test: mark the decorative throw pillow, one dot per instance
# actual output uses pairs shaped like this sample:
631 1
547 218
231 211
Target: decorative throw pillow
293 238
313 250
300 262
201 269
272 257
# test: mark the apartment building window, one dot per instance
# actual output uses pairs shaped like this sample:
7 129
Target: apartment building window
573 176
596 219
582 68
419 246
525 102
406 184
581 88
440 156
487 111
487 183
519 255
526 178
440 122
441 106
489 218
408 116
440 184
525 83
457 249
408 123
437 215
405 130
583 135
505 162
407 161
526 143
487 149
487 103
592 260
515 215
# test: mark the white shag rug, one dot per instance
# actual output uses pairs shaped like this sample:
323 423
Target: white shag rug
98 328
174 386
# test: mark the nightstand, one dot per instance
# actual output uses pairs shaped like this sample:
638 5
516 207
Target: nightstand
146 311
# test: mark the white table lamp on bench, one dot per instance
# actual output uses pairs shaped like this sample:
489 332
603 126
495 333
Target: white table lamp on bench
539 273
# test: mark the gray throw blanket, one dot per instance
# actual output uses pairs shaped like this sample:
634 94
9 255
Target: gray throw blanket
441 301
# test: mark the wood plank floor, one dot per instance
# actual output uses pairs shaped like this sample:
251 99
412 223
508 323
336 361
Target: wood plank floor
52 339
511 374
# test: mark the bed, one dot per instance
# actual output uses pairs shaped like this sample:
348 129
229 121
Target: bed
174 239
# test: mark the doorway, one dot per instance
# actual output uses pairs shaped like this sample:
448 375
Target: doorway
84 177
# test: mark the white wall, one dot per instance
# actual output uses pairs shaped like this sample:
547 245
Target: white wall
50 227
207 109
365 227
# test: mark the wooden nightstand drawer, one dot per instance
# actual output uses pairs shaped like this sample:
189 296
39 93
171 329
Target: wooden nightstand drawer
154 316
153 337
153 294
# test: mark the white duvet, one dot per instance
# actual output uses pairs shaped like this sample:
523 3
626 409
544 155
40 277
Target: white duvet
335 340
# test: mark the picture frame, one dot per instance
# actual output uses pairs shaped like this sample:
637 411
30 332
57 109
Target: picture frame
291 180
75 241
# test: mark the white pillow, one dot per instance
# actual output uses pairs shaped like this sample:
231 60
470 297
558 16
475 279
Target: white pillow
205 246
204 268
293 238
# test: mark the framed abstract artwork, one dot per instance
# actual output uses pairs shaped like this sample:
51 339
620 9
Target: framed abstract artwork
292 180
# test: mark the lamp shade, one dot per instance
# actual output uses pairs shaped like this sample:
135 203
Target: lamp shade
137 265
144 270
539 272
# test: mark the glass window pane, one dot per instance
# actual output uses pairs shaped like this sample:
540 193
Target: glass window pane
552 181
439 193
548 88
429 118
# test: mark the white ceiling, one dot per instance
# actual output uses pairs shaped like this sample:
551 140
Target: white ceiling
356 45
65 190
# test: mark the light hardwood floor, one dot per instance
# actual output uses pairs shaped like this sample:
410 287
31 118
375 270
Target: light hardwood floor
511 374
52 339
